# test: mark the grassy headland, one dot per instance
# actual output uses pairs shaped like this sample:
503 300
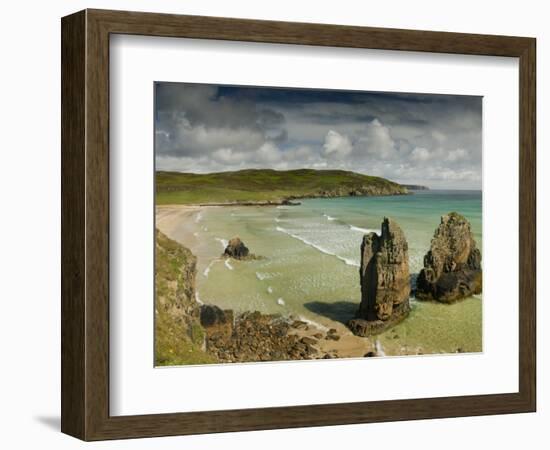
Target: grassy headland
267 186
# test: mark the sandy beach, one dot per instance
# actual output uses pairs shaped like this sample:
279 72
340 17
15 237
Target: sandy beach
180 222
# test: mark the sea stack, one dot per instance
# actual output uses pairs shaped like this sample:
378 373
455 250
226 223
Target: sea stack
385 281
236 249
452 266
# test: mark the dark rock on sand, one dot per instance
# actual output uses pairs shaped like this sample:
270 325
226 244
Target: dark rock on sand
216 320
452 266
384 278
236 249
309 340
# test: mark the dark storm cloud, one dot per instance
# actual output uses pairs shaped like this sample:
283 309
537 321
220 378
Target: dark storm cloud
411 138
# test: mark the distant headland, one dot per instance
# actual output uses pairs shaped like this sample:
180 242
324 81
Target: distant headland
267 186
416 187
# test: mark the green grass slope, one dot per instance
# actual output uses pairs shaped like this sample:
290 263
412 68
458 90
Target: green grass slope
179 336
266 185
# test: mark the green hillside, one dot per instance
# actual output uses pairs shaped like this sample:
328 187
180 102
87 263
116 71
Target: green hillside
267 186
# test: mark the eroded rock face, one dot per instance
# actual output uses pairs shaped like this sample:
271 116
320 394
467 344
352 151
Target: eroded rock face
385 280
452 266
216 320
236 249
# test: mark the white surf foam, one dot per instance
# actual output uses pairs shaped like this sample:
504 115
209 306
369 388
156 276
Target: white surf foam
329 217
348 261
229 266
222 241
364 230
379 349
198 299
270 290
262 276
198 217
207 270
312 323
281 302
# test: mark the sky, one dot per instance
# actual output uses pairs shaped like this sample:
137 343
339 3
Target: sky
428 139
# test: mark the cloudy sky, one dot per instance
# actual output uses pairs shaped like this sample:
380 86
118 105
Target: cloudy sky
433 140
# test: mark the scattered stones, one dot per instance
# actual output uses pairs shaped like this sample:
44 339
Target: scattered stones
299 325
308 340
385 281
452 266
254 336
370 355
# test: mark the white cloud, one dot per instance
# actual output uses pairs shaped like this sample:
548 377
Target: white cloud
227 156
420 154
337 145
377 141
268 153
459 154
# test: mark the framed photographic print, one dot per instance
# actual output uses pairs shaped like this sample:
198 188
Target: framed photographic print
270 225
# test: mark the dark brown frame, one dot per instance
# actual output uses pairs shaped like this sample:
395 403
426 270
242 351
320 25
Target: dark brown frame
85 224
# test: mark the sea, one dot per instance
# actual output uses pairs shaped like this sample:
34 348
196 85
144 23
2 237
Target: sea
308 264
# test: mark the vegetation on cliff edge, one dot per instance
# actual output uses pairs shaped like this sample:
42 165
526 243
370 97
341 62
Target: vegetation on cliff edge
179 337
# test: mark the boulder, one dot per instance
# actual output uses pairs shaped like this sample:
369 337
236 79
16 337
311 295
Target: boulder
236 249
452 266
216 321
385 280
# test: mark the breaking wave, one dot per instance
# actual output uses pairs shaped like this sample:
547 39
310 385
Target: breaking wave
363 230
348 261
223 242
207 270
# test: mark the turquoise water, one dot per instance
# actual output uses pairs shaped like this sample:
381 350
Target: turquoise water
311 255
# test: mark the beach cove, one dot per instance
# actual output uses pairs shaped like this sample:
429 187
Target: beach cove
310 264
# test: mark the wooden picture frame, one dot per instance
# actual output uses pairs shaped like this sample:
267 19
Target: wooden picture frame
85 224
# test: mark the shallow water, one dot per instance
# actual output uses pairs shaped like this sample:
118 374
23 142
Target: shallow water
311 255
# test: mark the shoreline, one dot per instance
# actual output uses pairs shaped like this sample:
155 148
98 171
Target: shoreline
181 222
289 201
168 217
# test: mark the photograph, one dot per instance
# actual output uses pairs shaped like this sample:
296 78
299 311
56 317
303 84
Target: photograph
300 224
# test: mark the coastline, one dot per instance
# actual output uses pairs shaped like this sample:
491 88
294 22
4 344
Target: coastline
168 217
189 224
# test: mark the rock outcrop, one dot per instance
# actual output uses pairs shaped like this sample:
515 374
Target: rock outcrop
385 281
452 266
236 249
179 337
253 336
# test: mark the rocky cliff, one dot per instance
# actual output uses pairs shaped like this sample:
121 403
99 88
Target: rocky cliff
452 266
385 280
179 337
